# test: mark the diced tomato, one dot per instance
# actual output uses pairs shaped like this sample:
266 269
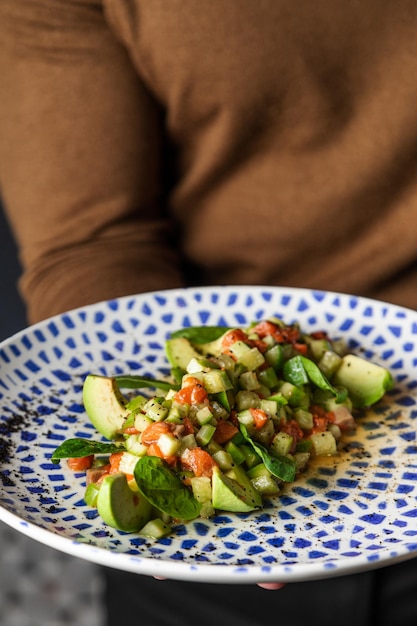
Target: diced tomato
281 334
81 464
259 416
233 418
225 431
292 428
114 461
131 430
152 432
302 348
191 394
232 336
198 461
265 328
321 419
319 334
188 426
320 424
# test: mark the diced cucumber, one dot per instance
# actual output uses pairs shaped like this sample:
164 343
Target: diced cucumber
275 357
248 381
156 529
247 400
205 434
239 349
90 494
324 444
128 462
235 452
294 395
155 410
282 443
226 399
137 403
301 459
174 415
142 422
263 481
317 347
215 381
168 444
252 359
224 460
268 378
304 418
201 487
251 457
204 415
219 412
270 407
246 418
188 441
207 509
329 363
134 446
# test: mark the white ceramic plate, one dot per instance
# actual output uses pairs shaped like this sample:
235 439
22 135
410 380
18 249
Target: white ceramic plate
345 515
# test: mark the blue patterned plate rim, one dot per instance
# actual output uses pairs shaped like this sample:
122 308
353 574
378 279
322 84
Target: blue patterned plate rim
344 515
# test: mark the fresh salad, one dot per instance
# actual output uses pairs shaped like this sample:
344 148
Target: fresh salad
244 411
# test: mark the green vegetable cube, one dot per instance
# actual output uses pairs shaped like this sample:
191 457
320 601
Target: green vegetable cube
156 529
201 487
281 443
324 444
252 359
205 434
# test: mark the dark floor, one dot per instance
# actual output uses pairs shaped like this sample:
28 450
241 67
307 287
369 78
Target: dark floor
38 586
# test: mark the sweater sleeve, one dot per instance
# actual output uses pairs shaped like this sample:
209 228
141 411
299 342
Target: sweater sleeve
81 148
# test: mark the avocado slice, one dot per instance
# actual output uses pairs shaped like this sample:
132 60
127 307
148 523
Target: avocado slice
105 404
179 352
366 382
120 507
213 348
229 495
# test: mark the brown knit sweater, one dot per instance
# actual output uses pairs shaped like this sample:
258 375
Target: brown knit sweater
147 144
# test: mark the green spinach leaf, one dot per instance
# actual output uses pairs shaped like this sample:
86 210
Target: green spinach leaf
126 381
164 489
200 334
79 447
280 466
299 370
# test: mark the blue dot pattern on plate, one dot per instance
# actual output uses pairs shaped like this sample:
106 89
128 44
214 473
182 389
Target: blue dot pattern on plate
343 515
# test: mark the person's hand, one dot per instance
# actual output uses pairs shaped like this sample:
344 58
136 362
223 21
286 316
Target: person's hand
270 586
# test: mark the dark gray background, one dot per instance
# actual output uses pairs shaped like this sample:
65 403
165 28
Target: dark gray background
38 586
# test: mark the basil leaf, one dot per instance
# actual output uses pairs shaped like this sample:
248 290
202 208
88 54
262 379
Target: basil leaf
319 379
300 370
280 466
200 334
164 489
138 382
79 447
